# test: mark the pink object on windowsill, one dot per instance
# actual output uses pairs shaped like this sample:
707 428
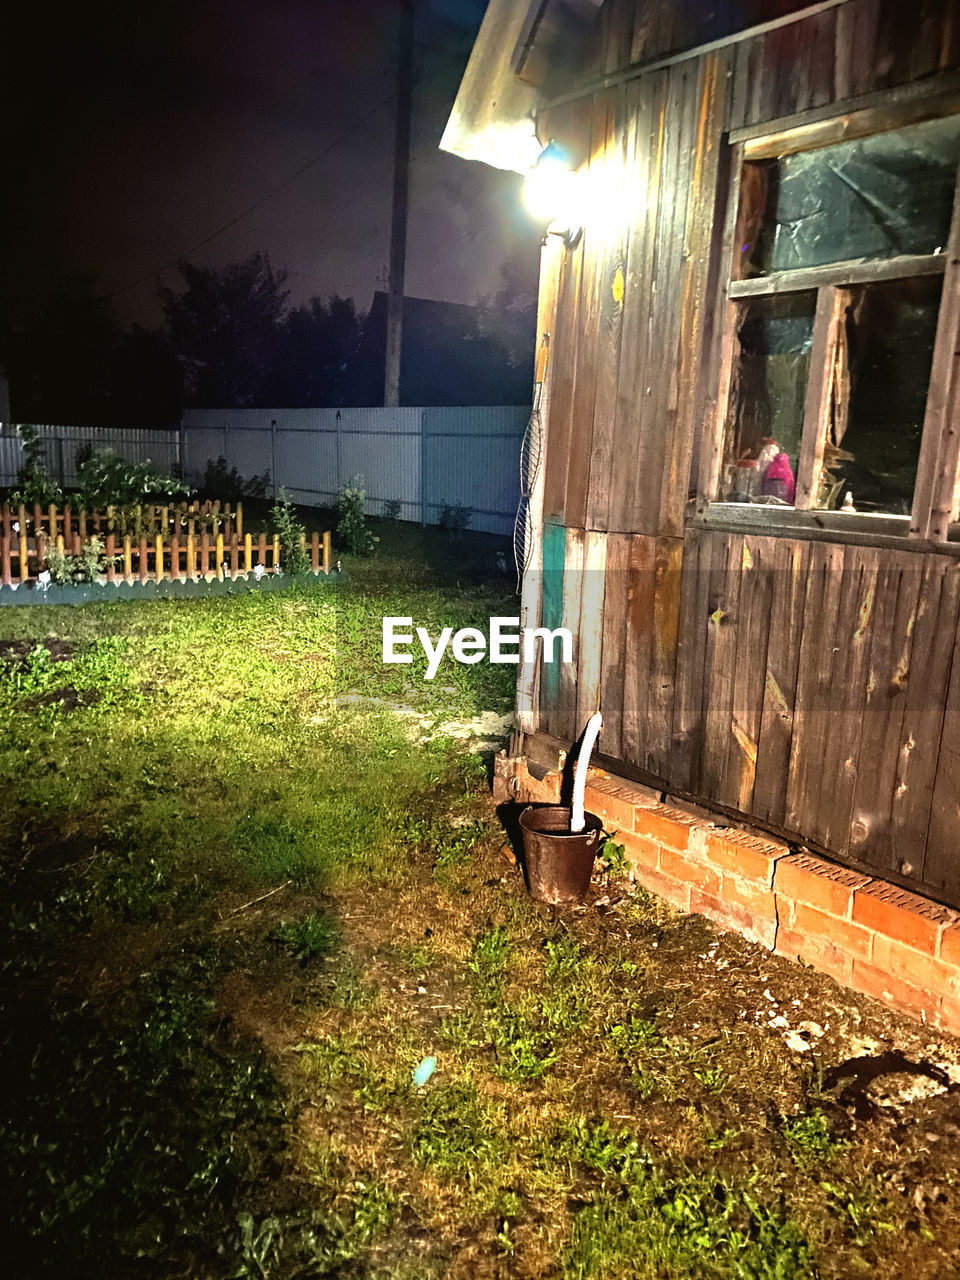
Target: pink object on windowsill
778 479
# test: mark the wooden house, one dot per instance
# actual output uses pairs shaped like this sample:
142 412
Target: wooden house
746 505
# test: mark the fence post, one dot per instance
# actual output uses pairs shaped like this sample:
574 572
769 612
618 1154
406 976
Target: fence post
326 550
423 468
239 519
247 553
158 558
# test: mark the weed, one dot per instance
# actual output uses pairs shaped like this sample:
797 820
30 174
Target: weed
348 990
811 1137
489 957
463 1030
596 1145
613 857
564 959
455 1132
656 1225
524 1051
713 1079
333 1060
310 937
417 957
859 1208
632 1034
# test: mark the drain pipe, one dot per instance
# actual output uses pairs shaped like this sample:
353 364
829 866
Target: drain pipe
577 819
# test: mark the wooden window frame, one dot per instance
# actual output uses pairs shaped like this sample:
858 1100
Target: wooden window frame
936 495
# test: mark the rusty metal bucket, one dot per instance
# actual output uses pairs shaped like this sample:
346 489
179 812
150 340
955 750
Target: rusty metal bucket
559 863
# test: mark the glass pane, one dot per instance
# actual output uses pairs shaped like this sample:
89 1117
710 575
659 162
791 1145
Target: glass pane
872 453
767 396
876 197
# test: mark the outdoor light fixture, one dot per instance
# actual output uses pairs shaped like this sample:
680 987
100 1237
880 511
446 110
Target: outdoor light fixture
550 191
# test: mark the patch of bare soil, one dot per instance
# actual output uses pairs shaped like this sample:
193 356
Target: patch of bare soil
15 652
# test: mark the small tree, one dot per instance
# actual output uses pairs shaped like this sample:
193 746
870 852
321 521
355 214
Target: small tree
34 483
352 528
290 531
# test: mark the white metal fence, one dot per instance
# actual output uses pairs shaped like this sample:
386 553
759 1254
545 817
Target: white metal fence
157 445
425 459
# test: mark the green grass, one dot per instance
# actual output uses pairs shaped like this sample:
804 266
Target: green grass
312 936
249 884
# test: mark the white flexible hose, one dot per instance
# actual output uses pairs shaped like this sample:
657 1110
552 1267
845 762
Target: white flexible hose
577 819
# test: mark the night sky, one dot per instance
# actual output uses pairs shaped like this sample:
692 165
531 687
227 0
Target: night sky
132 132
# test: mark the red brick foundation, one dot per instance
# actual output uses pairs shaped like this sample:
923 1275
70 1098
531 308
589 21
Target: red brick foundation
886 942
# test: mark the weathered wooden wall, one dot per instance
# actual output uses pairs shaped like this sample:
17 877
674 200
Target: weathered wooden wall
808 686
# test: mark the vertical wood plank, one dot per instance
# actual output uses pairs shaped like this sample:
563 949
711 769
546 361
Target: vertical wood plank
615 589
327 551
688 725
638 645
934 637
565 341
580 445
551 617
610 229
789 574
590 649
696 270
810 723
941 868
755 601
849 676
635 444
720 663
898 591
573 551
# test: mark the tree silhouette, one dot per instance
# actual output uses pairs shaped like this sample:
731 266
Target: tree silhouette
225 328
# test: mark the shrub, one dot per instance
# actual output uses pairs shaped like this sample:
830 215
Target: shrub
85 567
352 529
455 519
294 555
34 484
229 485
105 480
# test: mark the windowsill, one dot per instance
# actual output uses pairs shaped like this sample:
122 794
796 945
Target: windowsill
822 526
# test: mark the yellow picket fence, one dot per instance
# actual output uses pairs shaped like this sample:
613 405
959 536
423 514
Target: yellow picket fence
184 540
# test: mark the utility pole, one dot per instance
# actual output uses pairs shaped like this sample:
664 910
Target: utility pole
401 184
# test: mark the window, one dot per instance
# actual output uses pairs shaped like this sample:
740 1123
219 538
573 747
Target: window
834 300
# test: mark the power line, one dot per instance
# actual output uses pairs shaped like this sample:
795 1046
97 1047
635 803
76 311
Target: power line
264 199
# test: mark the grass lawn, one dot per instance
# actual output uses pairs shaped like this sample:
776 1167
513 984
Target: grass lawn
250 882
